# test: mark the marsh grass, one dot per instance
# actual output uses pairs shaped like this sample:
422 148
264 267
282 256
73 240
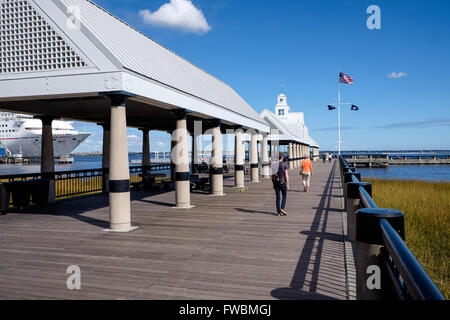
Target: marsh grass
426 206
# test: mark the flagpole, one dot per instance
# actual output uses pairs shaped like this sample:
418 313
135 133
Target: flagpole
339 113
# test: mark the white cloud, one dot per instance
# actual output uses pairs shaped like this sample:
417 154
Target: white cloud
132 137
178 14
396 75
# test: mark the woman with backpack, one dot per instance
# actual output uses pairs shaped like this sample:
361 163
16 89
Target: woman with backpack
280 180
306 173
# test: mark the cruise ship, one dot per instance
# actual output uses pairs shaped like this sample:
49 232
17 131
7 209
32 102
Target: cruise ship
20 136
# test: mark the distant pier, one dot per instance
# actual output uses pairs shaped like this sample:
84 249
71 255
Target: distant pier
386 160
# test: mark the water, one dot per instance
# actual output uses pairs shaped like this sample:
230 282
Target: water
80 163
403 172
409 172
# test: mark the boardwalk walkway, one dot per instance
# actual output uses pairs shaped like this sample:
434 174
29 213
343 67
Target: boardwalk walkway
230 247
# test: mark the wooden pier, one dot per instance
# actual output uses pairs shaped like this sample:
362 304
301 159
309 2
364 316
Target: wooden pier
230 247
386 161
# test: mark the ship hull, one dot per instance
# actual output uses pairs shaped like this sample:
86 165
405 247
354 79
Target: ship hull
30 146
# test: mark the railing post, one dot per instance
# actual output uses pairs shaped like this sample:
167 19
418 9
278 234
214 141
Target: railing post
372 278
345 171
352 203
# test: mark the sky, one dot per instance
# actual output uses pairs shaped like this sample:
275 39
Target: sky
401 71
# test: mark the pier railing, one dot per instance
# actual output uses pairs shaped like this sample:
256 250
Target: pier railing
76 183
385 267
387 159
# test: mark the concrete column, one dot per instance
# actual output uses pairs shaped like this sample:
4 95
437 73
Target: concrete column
294 155
217 161
239 159
254 156
119 171
106 156
316 154
265 157
300 155
180 157
291 156
47 156
146 158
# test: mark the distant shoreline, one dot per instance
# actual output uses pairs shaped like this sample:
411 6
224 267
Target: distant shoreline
85 154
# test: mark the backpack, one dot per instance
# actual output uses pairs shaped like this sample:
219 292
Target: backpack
276 167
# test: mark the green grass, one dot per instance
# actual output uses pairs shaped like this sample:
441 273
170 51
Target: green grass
426 206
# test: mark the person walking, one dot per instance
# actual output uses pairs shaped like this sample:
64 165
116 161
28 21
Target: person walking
280 180
324 157
306 172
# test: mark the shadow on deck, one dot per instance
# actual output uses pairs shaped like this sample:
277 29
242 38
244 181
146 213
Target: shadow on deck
231 247
312 252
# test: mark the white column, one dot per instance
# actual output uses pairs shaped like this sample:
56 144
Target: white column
217 161
296 154
254 156
265 157
47 156
291 156
299 155
119 183
180 156
239 159
316 154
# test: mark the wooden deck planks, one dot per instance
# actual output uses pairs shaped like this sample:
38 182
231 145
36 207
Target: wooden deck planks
230 247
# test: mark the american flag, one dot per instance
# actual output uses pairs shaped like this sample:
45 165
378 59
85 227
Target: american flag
344 78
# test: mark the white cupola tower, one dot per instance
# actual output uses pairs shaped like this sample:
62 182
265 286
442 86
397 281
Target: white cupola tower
282 109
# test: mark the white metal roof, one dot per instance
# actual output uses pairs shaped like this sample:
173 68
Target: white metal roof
287 133
113 56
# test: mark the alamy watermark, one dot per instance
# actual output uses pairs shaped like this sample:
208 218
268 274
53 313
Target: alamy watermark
179 150
74 20
374 20
374 280
74 280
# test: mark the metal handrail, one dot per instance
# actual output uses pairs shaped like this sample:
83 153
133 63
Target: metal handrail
417 282
409 278
74 183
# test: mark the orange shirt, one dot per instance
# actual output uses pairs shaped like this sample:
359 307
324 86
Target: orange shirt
306 165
